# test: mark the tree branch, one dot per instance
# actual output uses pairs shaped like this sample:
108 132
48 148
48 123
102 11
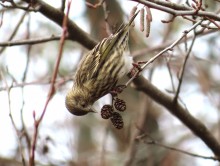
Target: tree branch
181 113
75 33
30 41
177 10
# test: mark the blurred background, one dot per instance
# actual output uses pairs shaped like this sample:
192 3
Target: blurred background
63 139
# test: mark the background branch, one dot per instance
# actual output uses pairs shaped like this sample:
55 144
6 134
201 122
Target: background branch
74 32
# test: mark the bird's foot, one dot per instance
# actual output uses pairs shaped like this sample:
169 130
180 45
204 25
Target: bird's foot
116 90
136 69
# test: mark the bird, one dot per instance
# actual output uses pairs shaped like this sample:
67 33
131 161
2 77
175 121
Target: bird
99 71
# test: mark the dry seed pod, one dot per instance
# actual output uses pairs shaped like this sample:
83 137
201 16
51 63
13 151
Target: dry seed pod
133 11
120 105
106 111
142 20
117 120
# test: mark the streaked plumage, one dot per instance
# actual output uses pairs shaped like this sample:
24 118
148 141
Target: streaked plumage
99 71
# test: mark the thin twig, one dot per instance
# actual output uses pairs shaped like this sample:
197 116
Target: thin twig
24 130
30 41
154 142
143 51
52 87
170 73
169 48
183 69
176 9
15 30
12 120
59 81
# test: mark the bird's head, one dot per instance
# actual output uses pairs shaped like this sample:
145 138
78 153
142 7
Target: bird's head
77 103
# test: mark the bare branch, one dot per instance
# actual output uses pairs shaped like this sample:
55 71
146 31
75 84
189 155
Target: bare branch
52 86
30 41
75 33
183 69
154 142
177 10
15 30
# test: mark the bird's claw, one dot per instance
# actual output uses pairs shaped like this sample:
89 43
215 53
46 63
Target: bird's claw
118 89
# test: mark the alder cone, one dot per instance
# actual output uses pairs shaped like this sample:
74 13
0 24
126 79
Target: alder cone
106 111
117 120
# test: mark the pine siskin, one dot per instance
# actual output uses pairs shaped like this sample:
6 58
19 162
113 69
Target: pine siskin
99 71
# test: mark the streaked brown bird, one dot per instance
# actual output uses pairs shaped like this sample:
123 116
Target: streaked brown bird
99 71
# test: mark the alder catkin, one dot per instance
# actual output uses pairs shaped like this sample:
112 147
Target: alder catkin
132 13
142 20
149 15
148 21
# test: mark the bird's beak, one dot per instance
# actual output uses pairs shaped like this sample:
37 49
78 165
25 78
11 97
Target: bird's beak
92 110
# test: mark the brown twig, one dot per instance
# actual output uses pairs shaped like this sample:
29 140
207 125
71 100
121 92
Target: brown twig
59 81
24 130
183 69
57 16
15 30
30 41
214 22
52 87
18 133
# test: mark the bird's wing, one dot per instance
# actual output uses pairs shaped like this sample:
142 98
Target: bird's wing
101 54
94 60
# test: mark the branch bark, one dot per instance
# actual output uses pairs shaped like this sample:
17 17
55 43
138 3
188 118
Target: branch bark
180 112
